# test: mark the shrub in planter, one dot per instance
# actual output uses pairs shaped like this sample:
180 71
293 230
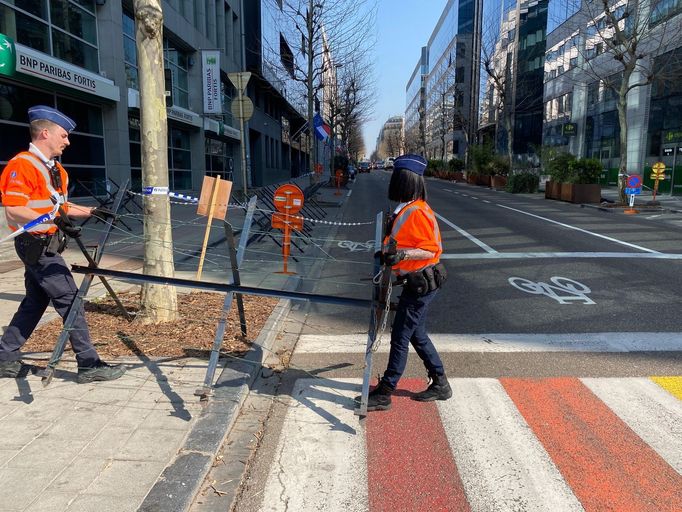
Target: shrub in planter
523 182
586 171
433 167
455 165
498 166
560 167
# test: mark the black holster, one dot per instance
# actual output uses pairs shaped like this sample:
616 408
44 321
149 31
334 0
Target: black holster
56 243
426 280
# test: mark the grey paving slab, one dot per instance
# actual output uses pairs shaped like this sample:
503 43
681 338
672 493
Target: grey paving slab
58 451
20 486
52 502
6 454
135 477
109 441
79 424
152 445
79 474
113 503
17 432
162 417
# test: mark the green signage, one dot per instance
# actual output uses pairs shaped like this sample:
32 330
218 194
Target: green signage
8 56
569 129
672 136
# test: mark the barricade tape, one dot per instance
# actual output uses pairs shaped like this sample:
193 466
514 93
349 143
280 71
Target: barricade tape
40 220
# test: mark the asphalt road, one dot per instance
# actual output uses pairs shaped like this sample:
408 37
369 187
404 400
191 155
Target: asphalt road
567 292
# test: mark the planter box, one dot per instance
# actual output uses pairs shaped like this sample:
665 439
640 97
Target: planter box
573 193
586 193
471 179
483 180
458 176
552 190
498 182
566 192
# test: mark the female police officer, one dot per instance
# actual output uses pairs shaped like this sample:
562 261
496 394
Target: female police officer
412 248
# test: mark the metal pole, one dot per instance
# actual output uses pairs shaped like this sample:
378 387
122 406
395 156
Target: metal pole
672 172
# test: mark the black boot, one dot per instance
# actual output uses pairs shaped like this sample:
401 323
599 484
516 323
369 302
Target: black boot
379 399
439 389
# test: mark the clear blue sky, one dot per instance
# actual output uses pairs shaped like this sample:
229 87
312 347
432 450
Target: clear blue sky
403 27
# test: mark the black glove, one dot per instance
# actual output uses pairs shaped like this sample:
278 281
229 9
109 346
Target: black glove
391 259
67 228
104 214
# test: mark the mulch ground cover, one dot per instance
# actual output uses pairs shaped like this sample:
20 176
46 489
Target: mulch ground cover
191 335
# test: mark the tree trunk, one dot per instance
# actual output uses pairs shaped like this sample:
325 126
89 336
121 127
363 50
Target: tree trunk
312 144
623 122
510 140
158 302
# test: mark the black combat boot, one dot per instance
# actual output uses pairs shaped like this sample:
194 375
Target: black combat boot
10 369
439 389
379 399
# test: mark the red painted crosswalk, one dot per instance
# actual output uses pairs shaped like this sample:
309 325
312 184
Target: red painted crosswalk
410 466
559 444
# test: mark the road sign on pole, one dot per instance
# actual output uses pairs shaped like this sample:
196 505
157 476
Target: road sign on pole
239 80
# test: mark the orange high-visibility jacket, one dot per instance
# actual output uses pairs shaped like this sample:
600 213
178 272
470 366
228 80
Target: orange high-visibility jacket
415 227
25 181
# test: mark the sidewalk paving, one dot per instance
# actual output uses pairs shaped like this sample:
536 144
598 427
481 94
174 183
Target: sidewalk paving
143 442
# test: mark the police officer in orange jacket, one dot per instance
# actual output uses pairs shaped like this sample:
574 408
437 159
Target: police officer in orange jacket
412 248
31 183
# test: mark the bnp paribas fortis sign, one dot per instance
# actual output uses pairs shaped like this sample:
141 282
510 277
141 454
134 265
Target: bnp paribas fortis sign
8 56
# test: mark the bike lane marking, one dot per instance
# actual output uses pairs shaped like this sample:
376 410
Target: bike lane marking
465 234
507 342
409 462
502 464
606 464
569 226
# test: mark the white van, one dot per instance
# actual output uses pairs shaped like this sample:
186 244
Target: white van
388 164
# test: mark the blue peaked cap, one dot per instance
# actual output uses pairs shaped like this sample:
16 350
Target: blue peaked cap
51 114
414 163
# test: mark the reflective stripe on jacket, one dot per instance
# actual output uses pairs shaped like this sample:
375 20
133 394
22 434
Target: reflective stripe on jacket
416 227
25 181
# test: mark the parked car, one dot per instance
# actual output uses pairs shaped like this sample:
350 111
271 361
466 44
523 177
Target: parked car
380 164
363 167
389 163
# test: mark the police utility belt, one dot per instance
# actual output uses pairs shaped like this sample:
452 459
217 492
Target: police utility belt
426 280
33 246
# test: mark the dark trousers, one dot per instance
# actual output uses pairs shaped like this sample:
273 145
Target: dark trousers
49 280
409 326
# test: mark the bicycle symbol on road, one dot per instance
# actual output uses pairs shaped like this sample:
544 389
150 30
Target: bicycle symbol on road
356 246
573 291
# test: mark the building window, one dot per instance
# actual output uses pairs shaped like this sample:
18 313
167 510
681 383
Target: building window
179 159
135 148
84 159
219 159
68 32
178 62
130 52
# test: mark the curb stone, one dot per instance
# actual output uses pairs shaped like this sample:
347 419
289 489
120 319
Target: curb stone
175 489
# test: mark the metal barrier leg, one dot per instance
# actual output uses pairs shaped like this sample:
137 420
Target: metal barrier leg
205 391
378 294
58 351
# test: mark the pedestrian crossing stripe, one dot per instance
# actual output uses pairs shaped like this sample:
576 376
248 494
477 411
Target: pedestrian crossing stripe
498 444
